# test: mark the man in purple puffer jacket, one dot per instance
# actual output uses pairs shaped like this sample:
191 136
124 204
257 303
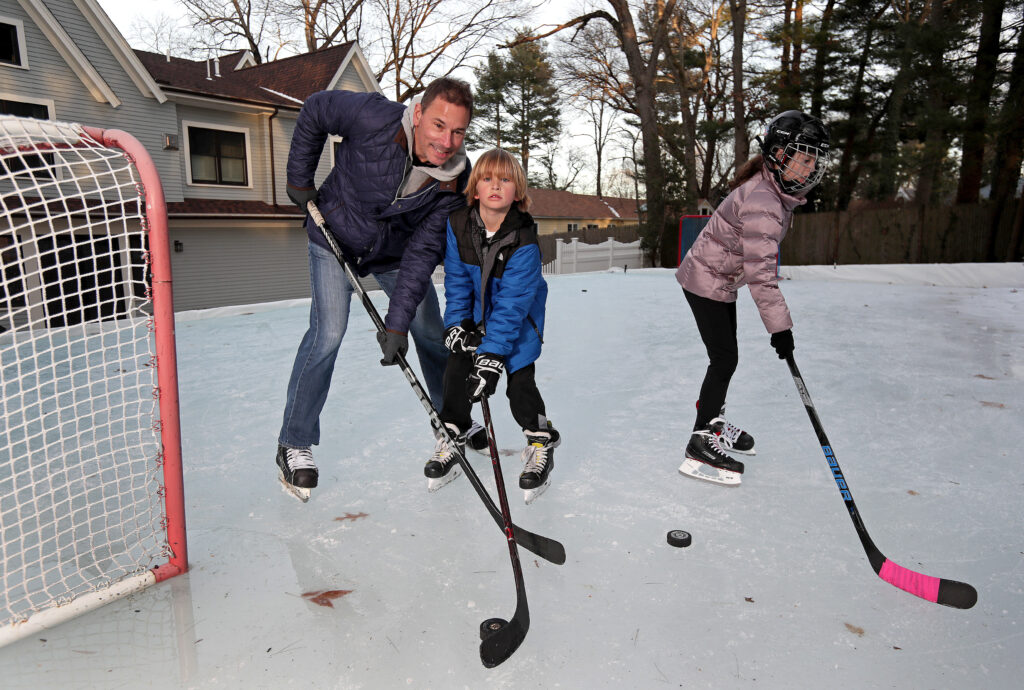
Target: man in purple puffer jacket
398 172
740 246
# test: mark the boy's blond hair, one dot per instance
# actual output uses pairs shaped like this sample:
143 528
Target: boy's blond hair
499 162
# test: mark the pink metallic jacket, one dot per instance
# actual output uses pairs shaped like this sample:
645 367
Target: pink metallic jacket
740 246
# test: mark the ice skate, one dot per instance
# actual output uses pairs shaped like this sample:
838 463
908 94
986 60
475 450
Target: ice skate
443 468
476 438
706 459
539 458
297 471
733 438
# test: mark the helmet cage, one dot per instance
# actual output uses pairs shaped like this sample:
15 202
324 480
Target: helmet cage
800 179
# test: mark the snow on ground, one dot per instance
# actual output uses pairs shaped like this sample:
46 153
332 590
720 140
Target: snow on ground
377 584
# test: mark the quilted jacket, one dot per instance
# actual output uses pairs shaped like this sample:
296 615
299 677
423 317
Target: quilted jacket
740 246
384 212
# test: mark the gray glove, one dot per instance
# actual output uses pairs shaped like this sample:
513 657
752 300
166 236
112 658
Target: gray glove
301 197
392 344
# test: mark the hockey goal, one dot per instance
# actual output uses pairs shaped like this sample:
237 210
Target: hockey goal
91 496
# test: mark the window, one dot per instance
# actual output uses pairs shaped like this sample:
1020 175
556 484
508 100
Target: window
573 227
37 163
12 43
218 156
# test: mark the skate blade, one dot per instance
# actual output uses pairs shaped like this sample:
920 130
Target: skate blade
752 451
531 495
702 470
295 491
435 483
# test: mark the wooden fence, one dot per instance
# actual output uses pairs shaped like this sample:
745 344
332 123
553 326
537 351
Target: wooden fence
902 234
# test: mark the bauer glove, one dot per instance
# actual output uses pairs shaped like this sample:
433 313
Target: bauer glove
392 344
783 343
483 380
462 338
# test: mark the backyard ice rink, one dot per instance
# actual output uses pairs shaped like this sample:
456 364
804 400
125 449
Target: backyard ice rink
377 584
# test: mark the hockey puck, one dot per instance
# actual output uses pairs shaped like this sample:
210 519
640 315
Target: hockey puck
491 626
678 537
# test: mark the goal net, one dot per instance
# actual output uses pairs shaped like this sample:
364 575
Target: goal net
91 504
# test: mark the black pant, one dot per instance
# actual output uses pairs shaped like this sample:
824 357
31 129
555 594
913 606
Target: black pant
716 322
524 398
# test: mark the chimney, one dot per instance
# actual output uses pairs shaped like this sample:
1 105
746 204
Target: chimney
216 66
208 69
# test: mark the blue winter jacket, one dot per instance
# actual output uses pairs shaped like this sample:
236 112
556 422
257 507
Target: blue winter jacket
377 229
497 283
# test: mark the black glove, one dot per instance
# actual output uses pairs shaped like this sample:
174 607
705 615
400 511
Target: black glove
783 343
392 344
301 197
462 338
483 380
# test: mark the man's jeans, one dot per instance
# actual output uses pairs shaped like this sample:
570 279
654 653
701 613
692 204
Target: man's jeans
328 319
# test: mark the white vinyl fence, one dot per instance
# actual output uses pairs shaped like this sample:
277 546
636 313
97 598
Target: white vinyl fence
577 257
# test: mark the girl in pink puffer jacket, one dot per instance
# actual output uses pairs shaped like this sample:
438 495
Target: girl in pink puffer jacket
740 246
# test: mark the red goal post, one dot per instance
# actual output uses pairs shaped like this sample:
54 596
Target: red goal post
91 491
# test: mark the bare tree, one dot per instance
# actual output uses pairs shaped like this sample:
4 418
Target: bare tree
417 41
252 22
327 22
162 33
741 143
642 54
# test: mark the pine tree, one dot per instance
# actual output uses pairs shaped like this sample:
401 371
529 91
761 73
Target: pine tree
516 103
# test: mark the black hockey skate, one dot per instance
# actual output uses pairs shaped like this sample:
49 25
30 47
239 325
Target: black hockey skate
539 456
298 472
706 459
733 438
476 438
442 468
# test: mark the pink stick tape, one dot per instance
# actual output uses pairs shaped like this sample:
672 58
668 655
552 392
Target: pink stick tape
924 586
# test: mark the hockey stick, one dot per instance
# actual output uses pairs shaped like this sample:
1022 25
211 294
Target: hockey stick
947 592
546 548
499 645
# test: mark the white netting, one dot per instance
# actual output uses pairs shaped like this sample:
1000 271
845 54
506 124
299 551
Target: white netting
80 484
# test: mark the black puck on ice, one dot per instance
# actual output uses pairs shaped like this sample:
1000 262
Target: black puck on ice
491 626
678 537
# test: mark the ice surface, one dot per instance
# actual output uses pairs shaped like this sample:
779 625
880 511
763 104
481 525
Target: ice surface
377 584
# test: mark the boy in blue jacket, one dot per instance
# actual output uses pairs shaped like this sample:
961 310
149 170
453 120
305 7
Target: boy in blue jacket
494 317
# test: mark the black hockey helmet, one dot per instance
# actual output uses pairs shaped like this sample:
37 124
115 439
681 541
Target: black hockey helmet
795 133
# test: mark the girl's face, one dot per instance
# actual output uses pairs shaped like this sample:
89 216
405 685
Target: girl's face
797 167
496 191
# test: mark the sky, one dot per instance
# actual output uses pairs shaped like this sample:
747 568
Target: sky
918 384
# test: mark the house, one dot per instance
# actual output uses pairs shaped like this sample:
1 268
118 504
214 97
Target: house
557 211
218 131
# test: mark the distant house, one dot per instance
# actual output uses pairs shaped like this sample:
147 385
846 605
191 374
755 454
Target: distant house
218 131
557 211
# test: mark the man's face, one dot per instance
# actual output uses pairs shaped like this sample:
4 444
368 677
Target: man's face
438 130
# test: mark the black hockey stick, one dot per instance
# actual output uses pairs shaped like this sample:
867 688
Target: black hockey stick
500 639
546 548
947 592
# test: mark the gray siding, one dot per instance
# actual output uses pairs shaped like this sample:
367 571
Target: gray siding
245 263
50 78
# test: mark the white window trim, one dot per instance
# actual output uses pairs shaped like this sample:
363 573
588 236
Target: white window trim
20 27
22 98
185 124
51 110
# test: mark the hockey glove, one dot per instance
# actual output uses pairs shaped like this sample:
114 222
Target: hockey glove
392 344
783 343
301 197
483 380
462 338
